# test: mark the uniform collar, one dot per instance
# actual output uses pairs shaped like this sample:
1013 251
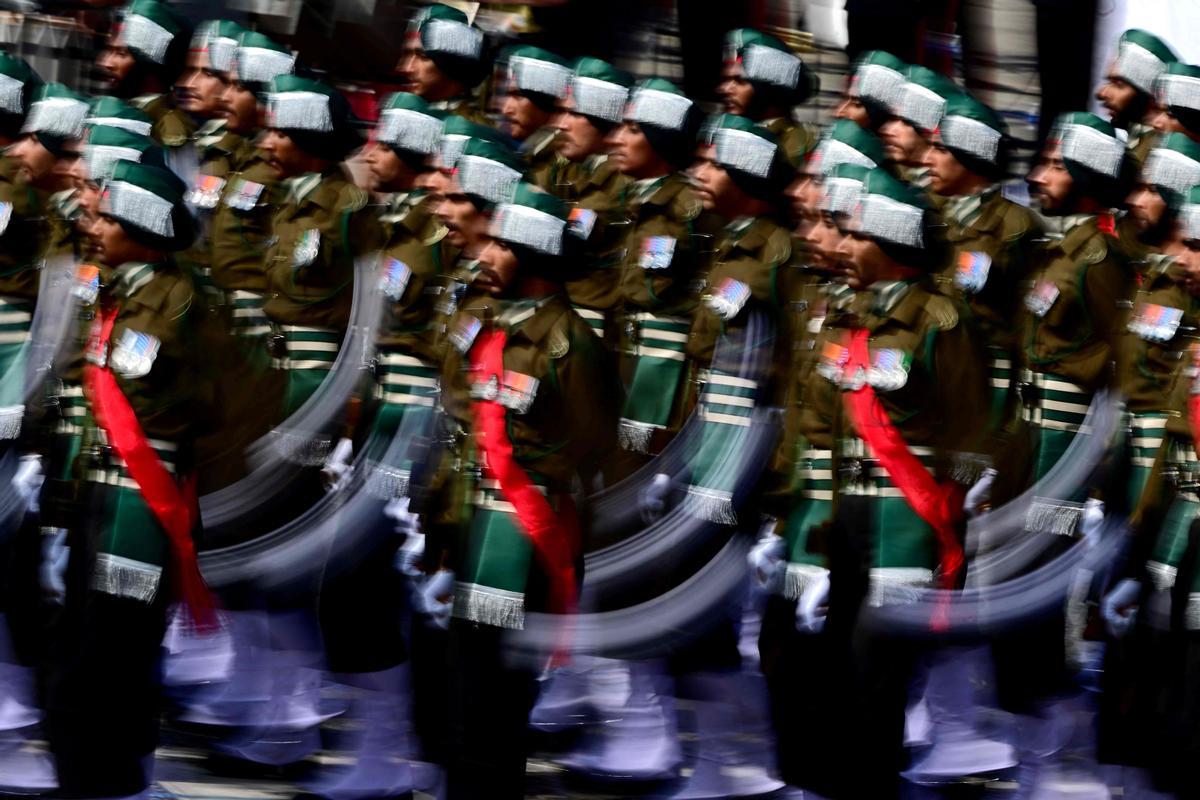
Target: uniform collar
66 205
143 100
839 294
886 295
526 316
130 277
210 133
966 209
1059 228
643 191
593 163
301 186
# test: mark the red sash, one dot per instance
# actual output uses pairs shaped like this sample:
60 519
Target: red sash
175 509
1193 407
554 543
940 505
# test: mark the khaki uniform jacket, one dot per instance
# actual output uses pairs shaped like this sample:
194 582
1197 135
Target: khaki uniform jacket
23 234
660 261
240 229
1074 307
310 263
545 167
170 126
596 193
795 139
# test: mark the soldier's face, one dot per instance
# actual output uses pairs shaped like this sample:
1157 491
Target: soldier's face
113 246
282 154
522 115
201 88
824 239
712 182
1116 95
115 62
804 193
1050 182
734 90
240 107
421 76
947 175
1188 260
1164 122
852 108
1146 207
37 163
466 225
632 152
863 259
498 268
388 170
903 143
577 138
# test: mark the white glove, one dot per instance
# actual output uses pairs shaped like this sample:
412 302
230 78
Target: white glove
652 499
812 605
767 564
27 481
1119 607
1091 521
337 464
435 598
53 566
980 494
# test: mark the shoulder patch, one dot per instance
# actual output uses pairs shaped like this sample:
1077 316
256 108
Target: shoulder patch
558 342
778 248
353 198
943 311
1094 250
436 236
687 205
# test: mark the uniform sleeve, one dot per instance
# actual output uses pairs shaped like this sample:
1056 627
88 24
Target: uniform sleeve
962 386
1108 284
592 396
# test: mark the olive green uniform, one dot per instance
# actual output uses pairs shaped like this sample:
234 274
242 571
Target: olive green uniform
991 241
660 270
318 231
170 126
1073 312
796 140
545 167
595 189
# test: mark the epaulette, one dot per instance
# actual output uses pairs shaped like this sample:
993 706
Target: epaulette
778 248
943 311
437 236
351 198
1095 249
558 340
686 206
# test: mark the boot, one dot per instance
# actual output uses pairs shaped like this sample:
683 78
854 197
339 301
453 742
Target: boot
381 744
635 739
959 748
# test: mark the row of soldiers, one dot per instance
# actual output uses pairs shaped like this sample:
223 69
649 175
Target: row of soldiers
564 297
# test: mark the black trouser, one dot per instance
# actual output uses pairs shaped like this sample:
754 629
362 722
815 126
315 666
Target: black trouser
491 698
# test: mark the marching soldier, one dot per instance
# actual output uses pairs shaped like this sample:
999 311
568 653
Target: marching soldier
1178 100
542 415
592 107
443 62
763 80
317 232
1127 92
536 81
990 237
661 262
143 57
133 552
897 393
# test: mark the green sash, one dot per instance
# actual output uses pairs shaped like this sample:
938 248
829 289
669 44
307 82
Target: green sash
495 571
406 388
1146 433
593 317
1056 409
812 505
658 350
248 316
310 355
1000 368
725 408
15 319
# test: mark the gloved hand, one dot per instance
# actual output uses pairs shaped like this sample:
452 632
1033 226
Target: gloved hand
435 598
768 566
1119 607
27 481
652 499
53 567
980 494
338 464
811 608
1091 521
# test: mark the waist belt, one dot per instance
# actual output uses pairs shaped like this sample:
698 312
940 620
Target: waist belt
1053 403
15 318
1000 368
654 336
248 316
305 347
594 319
727 399
862 475
815 472
110 469
405 380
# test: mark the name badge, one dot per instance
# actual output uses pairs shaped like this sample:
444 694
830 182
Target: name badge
657 252
307 248
972 272
394 280
134 354
1155 323
1041 297
518 391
